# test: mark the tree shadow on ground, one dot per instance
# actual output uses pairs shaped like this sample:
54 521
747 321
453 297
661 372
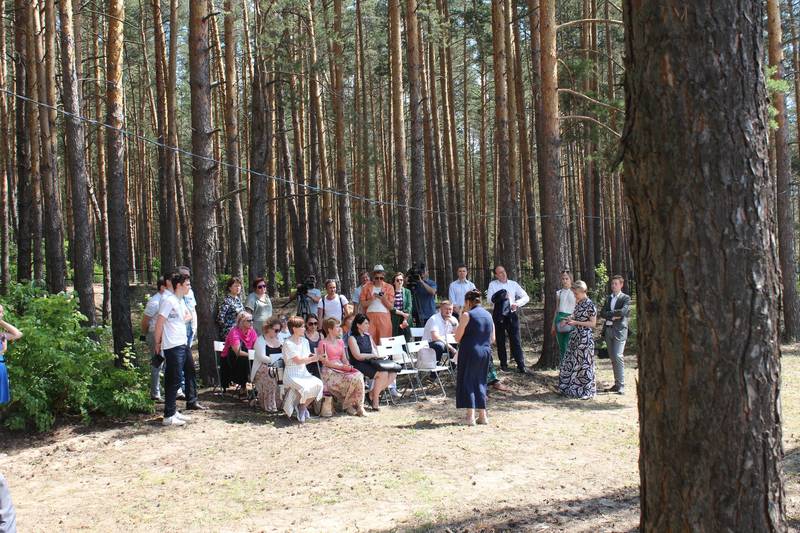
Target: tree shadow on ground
429 424
615 511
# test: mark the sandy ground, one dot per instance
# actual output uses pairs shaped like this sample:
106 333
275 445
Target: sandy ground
543 464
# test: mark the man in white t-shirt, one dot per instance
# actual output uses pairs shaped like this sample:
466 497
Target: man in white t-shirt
332 305
170 335
506 319
438 327
149 319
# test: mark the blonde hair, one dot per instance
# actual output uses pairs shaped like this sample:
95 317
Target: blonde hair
580 284
270 323
241 317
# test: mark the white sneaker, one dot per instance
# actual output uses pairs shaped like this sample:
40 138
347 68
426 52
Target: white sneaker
181 416
394 392
180 395
173 421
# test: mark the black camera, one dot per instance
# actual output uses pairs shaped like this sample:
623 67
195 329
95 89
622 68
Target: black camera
302 289
414 275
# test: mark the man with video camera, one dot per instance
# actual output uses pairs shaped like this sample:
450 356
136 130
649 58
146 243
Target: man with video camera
307 296
424 291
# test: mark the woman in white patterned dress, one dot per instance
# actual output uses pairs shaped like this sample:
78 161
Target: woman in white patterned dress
301 387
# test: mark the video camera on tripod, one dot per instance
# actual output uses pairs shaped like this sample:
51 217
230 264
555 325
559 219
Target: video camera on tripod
414 275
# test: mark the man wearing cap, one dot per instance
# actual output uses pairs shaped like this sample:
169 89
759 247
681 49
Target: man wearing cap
377 299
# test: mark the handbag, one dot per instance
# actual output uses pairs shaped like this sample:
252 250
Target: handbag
563 327
385 365
326 410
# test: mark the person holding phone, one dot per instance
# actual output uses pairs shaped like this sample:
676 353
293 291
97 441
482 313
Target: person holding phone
303 388
377 297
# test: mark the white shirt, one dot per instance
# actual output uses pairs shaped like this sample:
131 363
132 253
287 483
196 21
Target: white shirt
376 306
457 291
333 308
611 305
151 310
438 324
566 301
174 332
516 294
312 305
260 357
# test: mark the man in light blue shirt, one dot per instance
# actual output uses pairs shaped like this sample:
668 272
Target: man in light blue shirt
458 289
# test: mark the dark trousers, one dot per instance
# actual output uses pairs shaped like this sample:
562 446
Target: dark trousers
178 360
440 348
509 327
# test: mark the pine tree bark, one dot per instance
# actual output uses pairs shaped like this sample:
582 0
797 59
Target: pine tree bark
83 256
117 193
786 246
44 47
5 165
259 152
347 253
23 154
414 54
203 205
403 234
701 199
232 145
555 243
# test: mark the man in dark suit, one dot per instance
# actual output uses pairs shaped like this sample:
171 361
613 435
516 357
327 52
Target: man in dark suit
615 312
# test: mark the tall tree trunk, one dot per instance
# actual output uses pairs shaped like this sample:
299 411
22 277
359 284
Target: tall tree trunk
232 145
23 153
259 153
5 164
83 258
347 252
117 193
788 260
697 180
52 219
506 239
414 53
167 215
203 205
35 140
555 244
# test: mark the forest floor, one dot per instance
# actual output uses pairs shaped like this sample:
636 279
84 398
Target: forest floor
543 464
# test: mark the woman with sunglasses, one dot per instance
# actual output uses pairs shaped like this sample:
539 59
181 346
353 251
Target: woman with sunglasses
264 372
313 336
258 304
377 297
241 338
403 308
301 387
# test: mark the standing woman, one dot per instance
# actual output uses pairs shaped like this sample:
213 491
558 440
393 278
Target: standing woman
12 334
341 379
303 388
566 306
475 335
230 308
402 311
576 377
258 304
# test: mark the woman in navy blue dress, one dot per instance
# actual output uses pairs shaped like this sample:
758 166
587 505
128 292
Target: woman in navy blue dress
475 335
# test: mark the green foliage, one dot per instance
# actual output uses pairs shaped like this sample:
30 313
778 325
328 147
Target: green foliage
598 292
59 368
774 86
533 285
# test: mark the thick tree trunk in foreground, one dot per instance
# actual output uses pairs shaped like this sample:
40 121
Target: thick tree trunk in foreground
204 276
117 192
555 249
791 305
701 199
82 245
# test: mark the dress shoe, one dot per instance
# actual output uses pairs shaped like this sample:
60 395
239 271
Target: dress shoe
499 386
505 368
196 406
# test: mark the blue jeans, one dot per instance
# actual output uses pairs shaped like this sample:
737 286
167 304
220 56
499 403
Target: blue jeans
178 361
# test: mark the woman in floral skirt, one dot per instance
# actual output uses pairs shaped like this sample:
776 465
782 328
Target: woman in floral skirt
576 378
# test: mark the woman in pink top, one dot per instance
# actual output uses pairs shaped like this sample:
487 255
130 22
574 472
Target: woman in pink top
241 338
341 380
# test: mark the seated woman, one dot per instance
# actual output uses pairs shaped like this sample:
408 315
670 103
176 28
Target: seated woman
341 379
235 358
362 350
302 387
313 336
264 374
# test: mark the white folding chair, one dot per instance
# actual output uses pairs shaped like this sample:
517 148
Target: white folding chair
426 362
417 333
394 350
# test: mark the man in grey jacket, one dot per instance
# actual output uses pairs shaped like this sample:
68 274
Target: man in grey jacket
615 312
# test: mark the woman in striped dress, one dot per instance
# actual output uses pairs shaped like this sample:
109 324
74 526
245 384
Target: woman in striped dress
301 387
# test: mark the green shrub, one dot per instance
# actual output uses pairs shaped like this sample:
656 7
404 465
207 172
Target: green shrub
61 368
600 289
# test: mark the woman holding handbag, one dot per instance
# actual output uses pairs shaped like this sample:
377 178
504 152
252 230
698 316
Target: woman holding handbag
365 358
340 378
402 320
566 305
266 362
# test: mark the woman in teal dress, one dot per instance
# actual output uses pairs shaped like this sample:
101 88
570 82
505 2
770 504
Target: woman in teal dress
566 305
